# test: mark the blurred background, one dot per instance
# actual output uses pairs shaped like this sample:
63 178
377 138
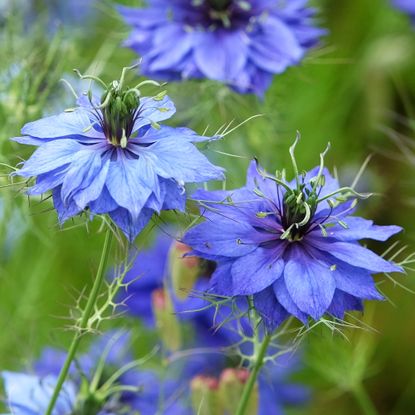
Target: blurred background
355 90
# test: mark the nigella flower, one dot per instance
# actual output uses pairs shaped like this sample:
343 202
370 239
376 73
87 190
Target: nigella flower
240 43
408 6
293 246
111 156
277 390
30 394
151 273
135 389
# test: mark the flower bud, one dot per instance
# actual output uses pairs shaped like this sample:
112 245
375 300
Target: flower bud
231 386
205 396
166 320
184 270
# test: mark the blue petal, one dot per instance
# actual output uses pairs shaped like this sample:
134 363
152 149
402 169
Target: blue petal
130 183
48 181
221 279
270 309
81 173
359 228
284 298
175 158
343 302
154 110
310 283
30 395
352 252
65 210
104 203
131 227
66 124
222 238
355 281
50 156
257 270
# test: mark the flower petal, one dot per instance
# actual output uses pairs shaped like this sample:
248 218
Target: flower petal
284 298
269 308
257 270
310 283
352 252
66 124
50 156
130 183
343 302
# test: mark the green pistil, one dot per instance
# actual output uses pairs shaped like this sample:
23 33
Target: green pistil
119 108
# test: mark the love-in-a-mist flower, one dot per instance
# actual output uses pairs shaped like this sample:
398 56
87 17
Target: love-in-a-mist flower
408 6
237 42
111 156
293 246
108 379
151 274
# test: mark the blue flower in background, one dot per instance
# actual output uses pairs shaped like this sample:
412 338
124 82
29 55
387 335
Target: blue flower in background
275 388
408 6
112 156
114 350
293 246
30 395
150 273
240 43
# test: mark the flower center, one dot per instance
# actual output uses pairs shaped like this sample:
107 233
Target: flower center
299 207
219 5
119 112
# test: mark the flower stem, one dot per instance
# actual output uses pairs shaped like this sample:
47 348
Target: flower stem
83 324
364 401
259 361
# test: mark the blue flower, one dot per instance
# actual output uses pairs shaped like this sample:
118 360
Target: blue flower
111 156
408 6
30 394
240 43
112 353
150 273
293 246
276 390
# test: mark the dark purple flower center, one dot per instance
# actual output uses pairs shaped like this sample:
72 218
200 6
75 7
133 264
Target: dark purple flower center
219 5
228 14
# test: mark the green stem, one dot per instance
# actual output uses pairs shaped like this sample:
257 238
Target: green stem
83 325
364 401
259 361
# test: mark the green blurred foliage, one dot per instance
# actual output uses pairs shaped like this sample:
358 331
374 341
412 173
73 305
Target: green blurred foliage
356 90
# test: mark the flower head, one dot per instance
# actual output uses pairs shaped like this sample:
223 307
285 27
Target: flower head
107 379
293 246
408 6
240 43
111 156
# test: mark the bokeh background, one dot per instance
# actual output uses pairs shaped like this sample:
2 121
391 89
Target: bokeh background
355 90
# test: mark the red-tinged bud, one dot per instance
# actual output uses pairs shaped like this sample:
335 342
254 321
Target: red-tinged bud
205 396
184 269
166 320
231 386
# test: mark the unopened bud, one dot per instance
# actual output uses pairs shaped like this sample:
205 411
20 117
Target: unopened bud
205 396
184 270
231 386
166 320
